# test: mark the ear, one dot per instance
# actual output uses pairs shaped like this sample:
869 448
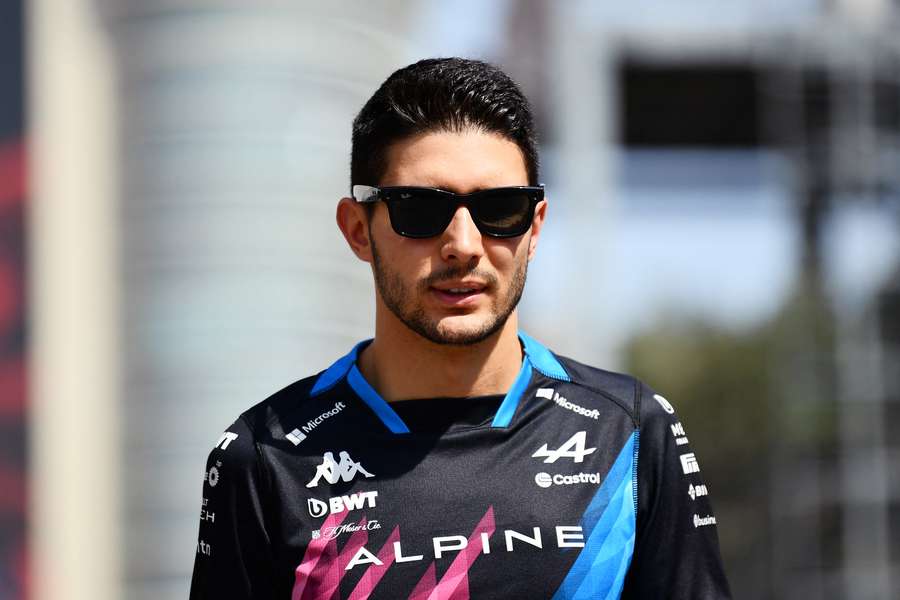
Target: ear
353 223
537 222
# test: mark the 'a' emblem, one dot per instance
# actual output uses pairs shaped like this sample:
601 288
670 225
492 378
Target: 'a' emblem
573 448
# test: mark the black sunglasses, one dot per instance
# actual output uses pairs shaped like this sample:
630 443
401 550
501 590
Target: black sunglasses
420 212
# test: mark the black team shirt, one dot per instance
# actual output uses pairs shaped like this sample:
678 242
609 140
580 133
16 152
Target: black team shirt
578 483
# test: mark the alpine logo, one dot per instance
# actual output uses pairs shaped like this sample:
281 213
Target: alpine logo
696 491
372 557
689 463
573 448
298 435
318 508
485 539
334 471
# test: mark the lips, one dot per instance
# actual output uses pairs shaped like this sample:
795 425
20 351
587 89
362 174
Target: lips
458 293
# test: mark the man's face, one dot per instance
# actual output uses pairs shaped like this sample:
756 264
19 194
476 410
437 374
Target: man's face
461 286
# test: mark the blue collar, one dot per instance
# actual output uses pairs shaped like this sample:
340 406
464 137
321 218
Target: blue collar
536 357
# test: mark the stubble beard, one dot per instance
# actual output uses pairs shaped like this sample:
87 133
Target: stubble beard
405 304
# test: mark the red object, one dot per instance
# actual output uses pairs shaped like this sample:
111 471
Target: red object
12 173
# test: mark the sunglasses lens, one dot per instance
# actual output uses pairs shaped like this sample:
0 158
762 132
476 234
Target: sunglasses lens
506 213
426 212
420 213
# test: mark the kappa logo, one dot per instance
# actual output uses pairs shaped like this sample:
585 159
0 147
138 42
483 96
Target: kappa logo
334 471
573 448
318 508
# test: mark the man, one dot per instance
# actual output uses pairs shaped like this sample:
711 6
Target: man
453 456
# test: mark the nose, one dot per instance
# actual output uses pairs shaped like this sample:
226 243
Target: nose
461 241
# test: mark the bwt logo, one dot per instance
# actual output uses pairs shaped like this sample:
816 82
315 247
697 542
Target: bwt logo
318 508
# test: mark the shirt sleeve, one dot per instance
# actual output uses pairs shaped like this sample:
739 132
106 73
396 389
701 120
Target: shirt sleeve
234 555
676 548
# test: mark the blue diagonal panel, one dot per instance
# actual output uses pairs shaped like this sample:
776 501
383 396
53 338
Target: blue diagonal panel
608 525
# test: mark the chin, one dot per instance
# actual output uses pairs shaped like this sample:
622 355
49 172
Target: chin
466 330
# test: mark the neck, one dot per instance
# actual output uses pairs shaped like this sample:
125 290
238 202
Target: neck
401 365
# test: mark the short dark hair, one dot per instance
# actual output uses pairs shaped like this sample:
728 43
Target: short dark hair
440 94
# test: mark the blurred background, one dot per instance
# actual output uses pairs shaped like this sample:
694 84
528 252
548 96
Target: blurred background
724 184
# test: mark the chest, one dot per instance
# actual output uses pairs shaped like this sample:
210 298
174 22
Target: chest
500 513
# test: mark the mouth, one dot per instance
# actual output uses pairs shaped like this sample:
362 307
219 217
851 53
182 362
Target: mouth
458 293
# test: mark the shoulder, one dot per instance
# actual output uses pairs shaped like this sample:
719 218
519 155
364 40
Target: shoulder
261 423
265 417
630 393
646 406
